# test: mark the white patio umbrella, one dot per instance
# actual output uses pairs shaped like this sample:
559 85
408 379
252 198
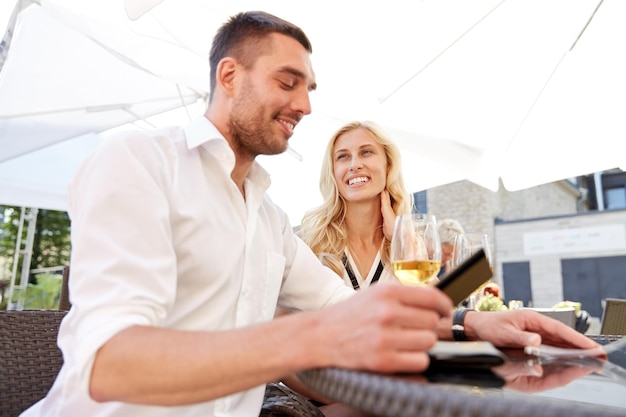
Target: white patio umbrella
536 86
97 54
57 83
523 91
461 85
58 88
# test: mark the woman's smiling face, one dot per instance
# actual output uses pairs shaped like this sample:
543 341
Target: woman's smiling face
359 165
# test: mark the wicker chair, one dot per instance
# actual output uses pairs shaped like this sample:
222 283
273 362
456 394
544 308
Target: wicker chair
30 361
614 317
29 358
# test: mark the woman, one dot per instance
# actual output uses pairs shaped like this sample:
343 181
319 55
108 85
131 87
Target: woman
363 190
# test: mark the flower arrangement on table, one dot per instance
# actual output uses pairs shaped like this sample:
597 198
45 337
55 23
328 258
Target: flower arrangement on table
490 302
490 299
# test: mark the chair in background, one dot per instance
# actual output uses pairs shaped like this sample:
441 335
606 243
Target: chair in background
30 360
29 357
614 317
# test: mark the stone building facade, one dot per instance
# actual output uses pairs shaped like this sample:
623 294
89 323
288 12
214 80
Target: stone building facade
579 253
579 257
477 208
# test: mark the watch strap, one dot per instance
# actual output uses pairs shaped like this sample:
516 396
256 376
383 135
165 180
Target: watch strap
458 325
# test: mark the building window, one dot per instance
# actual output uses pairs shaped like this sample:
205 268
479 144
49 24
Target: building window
607 190
419 202
615 198
614 190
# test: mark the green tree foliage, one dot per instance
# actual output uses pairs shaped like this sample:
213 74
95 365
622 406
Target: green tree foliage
51 246
44 295
52 239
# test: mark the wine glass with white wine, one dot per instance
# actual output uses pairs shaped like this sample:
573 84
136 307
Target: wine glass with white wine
416 249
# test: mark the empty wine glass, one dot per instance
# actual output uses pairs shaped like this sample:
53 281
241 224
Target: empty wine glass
466 245
416 249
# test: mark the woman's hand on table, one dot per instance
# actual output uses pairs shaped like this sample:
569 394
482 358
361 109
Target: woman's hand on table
520 328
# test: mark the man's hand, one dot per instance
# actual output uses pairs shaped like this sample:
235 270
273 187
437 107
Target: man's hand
385 327
519 328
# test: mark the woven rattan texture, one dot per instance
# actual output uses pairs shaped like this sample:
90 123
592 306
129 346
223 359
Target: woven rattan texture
391 397
281 401
614 317
29 357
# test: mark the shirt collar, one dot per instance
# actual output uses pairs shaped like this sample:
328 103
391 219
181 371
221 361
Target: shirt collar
201 131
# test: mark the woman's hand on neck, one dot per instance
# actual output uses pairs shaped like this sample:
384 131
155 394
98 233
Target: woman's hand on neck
389 216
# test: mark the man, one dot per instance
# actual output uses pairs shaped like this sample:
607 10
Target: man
179 260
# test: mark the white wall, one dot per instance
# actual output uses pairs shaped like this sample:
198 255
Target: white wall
544 242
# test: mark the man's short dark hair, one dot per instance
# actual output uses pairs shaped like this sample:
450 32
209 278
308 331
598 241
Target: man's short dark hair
242 35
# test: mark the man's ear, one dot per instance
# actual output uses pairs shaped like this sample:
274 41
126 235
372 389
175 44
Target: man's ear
225 75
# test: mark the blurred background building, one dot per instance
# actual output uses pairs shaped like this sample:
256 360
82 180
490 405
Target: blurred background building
559 241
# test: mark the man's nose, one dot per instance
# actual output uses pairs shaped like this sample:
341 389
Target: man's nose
302 103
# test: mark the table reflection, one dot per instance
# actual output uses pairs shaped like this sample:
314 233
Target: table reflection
523 386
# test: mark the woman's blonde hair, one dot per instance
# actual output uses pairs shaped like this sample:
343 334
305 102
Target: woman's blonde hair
323 228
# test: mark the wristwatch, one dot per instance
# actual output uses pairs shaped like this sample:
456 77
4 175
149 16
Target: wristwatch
458 325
